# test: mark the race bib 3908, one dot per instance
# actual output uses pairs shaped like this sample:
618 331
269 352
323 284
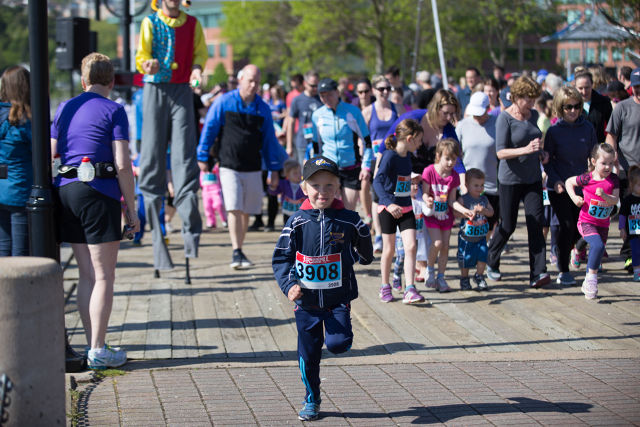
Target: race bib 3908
319 272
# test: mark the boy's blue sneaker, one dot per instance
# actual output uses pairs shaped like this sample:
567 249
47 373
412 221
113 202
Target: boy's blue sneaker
636 276
309 412
494 275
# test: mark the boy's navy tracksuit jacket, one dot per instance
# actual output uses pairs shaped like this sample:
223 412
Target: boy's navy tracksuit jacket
314 232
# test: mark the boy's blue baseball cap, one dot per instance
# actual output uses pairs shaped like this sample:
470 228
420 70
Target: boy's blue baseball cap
319 163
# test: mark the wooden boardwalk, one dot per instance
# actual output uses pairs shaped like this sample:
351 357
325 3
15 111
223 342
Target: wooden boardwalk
229 316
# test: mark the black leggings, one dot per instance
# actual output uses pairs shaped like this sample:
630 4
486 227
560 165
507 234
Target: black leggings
567 213
510 197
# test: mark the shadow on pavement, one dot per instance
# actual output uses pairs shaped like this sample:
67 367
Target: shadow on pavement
445 413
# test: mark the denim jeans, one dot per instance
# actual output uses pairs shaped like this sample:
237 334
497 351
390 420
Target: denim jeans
14 231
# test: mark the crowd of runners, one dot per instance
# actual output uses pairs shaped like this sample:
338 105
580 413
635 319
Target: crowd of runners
356 166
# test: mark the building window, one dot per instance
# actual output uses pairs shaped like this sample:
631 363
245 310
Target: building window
574 56
563 56
616 54
604 55
573 15
223 50
590 55
211 49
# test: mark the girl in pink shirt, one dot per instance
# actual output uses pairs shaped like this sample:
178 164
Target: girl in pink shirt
601 191
439 184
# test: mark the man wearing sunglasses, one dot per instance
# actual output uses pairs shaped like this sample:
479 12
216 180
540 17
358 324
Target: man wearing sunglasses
302 107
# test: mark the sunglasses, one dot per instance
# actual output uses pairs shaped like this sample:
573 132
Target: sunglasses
569 107
364 91
310 85
383 88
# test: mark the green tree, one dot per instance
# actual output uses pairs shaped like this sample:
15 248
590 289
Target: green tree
107 37
219 75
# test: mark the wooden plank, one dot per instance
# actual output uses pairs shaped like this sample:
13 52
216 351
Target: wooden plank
207 331
278 314
134 329
183 337
236 341
255 326
158 342
397 316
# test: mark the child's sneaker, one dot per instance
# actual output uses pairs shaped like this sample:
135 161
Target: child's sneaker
442 284
465 284
481 284
411 296
574 262
590 287
309 411
636 276
628 265
385 293
396 284
106 357
377 245
541 280
430 279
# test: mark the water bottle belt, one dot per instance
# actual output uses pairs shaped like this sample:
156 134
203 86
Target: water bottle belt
103 170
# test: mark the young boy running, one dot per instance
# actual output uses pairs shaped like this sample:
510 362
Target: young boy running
313 264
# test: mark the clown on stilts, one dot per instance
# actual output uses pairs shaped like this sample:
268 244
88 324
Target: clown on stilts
171 54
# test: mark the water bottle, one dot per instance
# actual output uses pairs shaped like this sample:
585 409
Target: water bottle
55 166
86 171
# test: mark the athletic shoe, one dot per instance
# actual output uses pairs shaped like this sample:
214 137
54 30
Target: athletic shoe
494 275
136 243
224 224
309 412
636 276
540 281
396 284
442 284
628 265
565 279
377 245
430 280
481 284
574 262
590 287
244 261
236 259
553 259
106 357
412 296
385 293
465 284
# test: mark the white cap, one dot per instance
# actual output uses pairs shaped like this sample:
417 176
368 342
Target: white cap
478 104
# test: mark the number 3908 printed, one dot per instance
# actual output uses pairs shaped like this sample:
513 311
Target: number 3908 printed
319 272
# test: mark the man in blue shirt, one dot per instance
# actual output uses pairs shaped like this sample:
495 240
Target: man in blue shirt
240 128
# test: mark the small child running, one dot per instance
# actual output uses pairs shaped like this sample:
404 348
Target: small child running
212 197
392 184
600 188
472 243
289 189
439 185
629 219
313 264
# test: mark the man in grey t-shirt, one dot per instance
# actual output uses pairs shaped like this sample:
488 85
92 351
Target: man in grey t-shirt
302 107
624 127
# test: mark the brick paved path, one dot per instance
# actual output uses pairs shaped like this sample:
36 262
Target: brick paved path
222 350
575 392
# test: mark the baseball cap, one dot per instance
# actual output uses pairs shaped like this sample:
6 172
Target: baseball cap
635 77
478 104
316 164
505 96
327 85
